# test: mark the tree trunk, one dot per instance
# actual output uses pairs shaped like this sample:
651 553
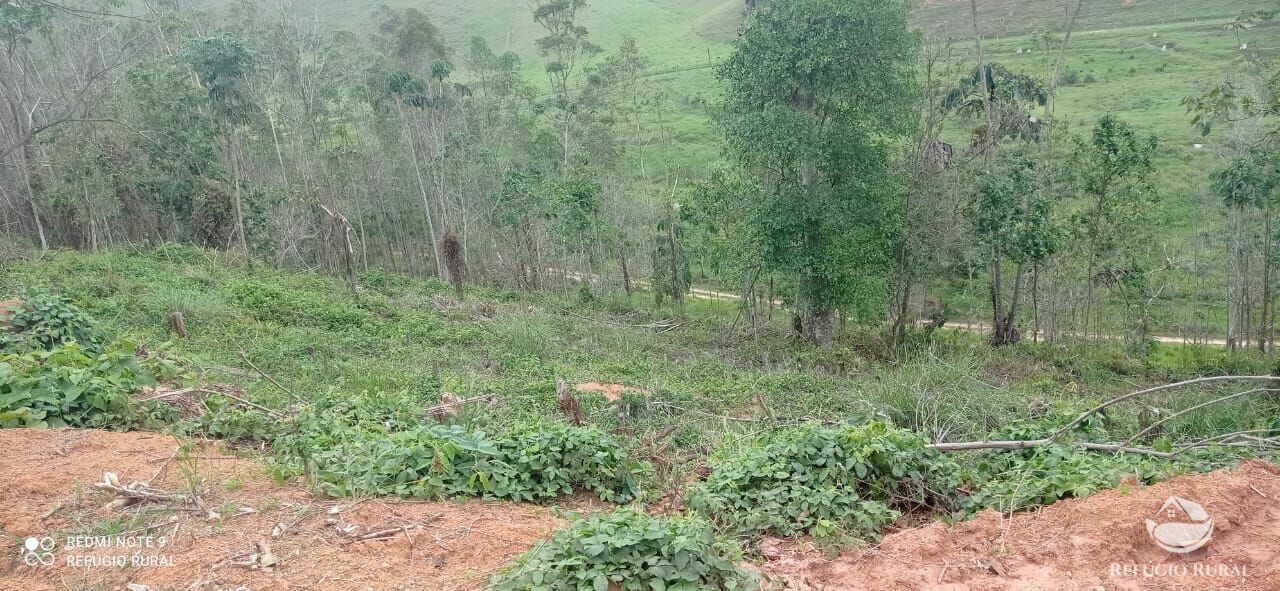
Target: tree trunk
626 273
819 326
422 188
1267 323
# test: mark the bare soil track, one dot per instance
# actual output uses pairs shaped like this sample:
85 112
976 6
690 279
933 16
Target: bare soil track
47 491
1092 544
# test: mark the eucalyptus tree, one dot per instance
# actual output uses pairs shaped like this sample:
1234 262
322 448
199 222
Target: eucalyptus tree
1247 186
1250 101
57 71
414 82
1111 169
816 93
671 276
1011 219
179 153
567 50
223 64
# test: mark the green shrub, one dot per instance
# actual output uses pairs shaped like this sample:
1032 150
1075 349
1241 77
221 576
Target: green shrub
1009 480
367 447
47 321
631 551
177 252
827 482
1013 480
286 306
71 386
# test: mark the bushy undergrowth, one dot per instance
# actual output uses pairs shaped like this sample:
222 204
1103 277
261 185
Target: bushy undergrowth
380 445
1013 480
71 386
631 551
1009 480
275 303
58 369
364 362
45 321
827 482
435 461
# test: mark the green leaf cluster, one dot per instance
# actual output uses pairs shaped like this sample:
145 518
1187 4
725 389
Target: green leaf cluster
629 551
1021 479
71 386
358 449
47 321
271 302
823 481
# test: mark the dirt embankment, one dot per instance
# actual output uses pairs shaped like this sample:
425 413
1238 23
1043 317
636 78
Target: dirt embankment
47 492
314 543
1093 544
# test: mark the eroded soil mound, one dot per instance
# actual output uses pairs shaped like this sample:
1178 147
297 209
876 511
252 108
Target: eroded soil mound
217 543
314 543
1092 544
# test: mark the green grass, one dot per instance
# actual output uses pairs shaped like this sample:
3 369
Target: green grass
395 334
363 363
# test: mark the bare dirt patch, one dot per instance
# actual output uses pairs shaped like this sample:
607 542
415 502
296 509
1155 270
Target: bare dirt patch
47 491
611 392
1074 545
388 544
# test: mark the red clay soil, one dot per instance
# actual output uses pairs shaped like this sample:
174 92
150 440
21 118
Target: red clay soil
611 392
46 479
46 489
1092 544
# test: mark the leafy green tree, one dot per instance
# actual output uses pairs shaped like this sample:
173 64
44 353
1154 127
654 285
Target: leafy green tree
1247 186
671 276
816 93
223 65
1255 98
1011 220
412 79
183 151
1112 170
567 49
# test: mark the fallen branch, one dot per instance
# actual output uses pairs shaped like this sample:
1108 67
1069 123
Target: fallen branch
208 391
705 414
1219 438
136 491
391 531
245 357
1114 401
439 407
1182 412
1126 447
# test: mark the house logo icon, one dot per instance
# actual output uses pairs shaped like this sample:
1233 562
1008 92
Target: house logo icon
1181 526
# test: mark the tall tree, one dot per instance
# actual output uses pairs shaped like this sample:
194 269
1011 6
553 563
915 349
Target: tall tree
816 92
1247 187
566 48
1112 170
223 65
1011 220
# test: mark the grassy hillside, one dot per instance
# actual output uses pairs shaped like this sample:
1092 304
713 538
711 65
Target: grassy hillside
1113 47
354 369
1000 18
1137 59
395 334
